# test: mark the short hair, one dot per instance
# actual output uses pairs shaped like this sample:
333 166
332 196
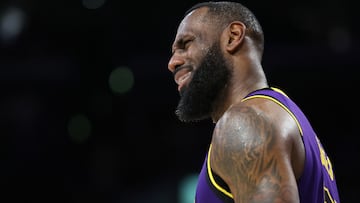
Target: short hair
225 12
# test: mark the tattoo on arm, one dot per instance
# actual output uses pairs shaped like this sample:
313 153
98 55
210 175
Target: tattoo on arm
246 156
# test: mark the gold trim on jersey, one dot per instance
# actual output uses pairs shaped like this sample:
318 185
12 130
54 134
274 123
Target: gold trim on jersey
278 90
218 187
279 103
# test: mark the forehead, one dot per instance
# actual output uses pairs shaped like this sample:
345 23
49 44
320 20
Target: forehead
195 21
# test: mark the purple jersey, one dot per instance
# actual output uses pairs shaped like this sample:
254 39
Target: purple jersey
317 183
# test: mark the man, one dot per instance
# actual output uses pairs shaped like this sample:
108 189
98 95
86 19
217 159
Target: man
263 149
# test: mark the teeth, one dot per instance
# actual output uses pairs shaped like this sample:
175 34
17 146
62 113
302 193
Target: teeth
184 77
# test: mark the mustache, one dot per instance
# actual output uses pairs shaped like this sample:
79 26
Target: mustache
177 69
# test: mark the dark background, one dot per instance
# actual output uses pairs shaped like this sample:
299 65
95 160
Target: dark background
56 58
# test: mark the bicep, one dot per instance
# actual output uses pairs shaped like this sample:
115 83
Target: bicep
248 155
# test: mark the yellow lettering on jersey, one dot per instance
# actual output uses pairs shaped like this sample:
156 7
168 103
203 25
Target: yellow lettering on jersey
325 161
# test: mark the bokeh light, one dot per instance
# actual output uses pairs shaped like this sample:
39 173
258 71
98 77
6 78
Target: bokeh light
121 80
79 128
93 4
187 188
11 24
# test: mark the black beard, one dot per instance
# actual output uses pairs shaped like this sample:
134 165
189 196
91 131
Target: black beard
208 81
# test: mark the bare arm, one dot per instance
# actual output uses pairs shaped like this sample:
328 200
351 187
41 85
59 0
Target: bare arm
252 158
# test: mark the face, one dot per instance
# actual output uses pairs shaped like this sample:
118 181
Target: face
205 86
199 67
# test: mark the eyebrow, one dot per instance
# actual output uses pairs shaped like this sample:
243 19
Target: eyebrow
179 41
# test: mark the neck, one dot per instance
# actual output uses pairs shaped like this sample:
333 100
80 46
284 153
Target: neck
235 91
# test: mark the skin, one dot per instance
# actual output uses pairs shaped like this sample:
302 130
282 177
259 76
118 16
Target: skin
256 146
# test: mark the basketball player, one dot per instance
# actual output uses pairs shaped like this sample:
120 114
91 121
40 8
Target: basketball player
263 148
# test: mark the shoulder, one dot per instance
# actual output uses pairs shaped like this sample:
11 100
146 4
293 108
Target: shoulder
252 151
251 135
260 120
245 127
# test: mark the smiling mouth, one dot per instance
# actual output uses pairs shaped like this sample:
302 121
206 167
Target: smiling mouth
183 80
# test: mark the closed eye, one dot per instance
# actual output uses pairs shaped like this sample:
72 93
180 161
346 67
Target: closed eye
182 44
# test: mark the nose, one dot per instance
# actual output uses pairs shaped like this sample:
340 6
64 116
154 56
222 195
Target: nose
174 62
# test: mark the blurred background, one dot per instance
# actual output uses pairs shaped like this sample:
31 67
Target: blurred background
87 103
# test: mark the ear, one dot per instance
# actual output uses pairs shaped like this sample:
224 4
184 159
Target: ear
235 35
